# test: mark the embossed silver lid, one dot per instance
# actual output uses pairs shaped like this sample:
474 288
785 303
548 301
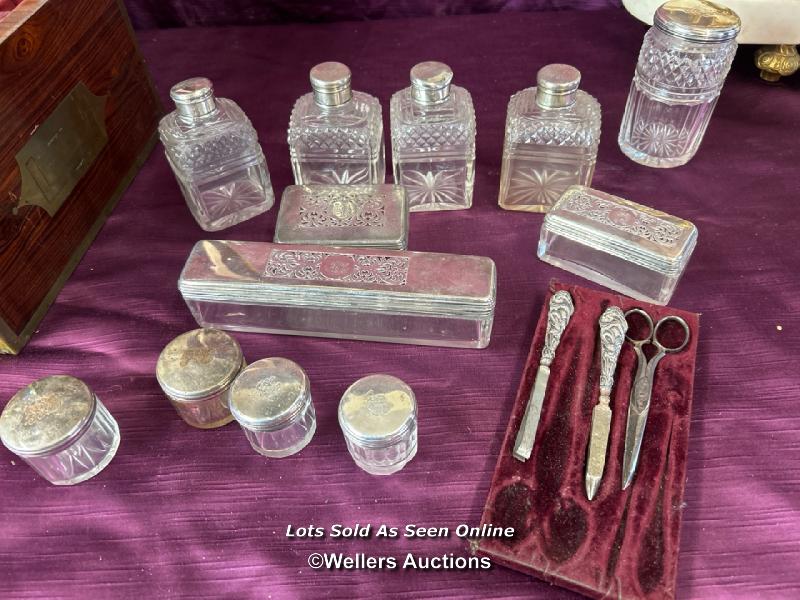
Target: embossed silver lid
331 84
430 82
47 416
193 98
557 85
365 216
198 363
697 20
269 394
378 411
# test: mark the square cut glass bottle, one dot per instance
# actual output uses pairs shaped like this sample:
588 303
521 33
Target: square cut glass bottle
433 140
214 152
336 134
552 135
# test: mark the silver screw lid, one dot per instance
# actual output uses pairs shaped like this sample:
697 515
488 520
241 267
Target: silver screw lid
331 84
557 85
269 394
377 411
697 20
47 415
193 98
198 363
430 82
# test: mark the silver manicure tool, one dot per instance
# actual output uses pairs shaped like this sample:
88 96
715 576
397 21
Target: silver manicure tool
613 327
558 315
642 390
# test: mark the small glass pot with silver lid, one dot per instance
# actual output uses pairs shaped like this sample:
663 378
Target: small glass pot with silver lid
60 428
195 370
378 416
271 400
682 66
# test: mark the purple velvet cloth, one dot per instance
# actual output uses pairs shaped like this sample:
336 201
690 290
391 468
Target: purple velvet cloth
188 513
188 13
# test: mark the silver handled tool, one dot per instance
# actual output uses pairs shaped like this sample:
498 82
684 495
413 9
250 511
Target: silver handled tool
558 315
642 390
613 327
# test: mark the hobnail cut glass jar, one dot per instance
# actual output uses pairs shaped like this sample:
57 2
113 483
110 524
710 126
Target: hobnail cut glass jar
60 428
214 152
378 416
682 66
336 134
551 140
433 140
271 400
195 371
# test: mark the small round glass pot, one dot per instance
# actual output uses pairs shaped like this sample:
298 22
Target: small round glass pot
61 429
378 415
271 400
195 370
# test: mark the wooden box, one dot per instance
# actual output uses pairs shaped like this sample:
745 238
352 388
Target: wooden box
79 117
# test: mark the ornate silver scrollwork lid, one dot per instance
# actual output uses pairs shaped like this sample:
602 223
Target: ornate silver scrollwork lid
559 314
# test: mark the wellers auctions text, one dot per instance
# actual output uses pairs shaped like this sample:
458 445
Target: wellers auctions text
361 561
410 531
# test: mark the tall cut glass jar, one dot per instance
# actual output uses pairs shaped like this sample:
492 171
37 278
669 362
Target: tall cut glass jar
214 152
433 140
552 135
336 134
682 66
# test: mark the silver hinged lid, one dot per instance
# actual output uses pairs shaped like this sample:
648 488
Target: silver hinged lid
377 411
374 216
198 363
697 20
47 415
633 232
355 279
269 393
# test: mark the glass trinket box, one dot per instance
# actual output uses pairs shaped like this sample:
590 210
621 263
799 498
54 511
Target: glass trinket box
622 245
60 428
349 293
195 370
373 216
271 401
378 416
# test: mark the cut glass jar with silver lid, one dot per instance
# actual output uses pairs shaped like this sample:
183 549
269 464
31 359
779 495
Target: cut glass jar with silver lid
349 293
60 428
336 134
367 216
622 245
378 416
433 140
214 152
682 66
551 140
195 371
271 400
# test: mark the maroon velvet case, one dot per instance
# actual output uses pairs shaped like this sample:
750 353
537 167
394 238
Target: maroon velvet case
623 544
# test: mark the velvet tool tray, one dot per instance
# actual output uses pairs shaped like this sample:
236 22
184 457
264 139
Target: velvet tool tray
623 544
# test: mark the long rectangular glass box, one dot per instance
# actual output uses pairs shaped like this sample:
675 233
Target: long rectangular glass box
350 293
622 245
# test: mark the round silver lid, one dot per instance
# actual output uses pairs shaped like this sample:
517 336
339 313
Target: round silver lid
331 84
198 363
47 415
269 393
430 82
697 20
377 410
193 97
557 85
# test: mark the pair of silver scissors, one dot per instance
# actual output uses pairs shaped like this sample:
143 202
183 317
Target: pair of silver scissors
642 390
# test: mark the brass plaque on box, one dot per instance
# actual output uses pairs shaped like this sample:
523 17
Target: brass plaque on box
61 150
